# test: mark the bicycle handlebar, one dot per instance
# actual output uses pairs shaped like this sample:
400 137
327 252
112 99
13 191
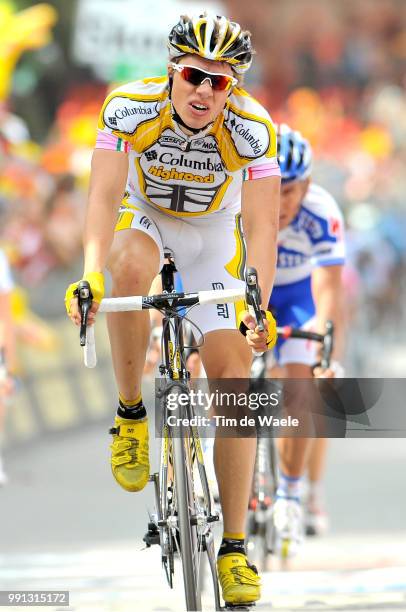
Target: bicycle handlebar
179 299
139 302
326 340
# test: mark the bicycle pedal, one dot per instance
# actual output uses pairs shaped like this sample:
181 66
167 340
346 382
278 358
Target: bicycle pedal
152 535
247 606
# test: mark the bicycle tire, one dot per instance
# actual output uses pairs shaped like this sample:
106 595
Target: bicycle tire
260 532
204 504
185 509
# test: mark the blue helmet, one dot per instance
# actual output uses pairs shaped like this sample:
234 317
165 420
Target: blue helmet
294 155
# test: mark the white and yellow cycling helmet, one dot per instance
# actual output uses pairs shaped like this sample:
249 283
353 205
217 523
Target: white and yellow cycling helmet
213 37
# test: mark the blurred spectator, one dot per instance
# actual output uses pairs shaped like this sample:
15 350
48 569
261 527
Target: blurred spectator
7 348
341 83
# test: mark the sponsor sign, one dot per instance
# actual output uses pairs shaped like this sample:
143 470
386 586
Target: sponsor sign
126 39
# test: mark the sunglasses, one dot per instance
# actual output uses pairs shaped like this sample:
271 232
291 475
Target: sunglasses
196 77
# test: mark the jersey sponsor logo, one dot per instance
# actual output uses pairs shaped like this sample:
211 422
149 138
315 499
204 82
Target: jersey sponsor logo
145 222
334 227
170 140
135 110
181 160
151 155
309 223
288 258
180 198
167 140
182 180
250 137
120 107
202 144
175 175
324 251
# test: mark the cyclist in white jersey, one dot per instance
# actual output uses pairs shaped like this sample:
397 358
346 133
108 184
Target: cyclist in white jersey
198 156
307 293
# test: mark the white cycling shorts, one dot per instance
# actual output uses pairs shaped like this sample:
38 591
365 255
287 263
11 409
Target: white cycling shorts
295 350
209 253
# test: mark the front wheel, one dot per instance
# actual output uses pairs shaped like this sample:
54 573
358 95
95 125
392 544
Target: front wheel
186 513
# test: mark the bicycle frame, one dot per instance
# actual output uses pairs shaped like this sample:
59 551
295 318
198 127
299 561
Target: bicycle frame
183 520
180 447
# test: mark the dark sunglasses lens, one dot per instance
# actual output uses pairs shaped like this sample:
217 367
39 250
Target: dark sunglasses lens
220 82
196 77
193 75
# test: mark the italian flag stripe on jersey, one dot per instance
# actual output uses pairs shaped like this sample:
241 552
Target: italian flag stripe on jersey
122 145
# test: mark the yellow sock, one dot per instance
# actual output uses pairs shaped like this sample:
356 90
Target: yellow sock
233 536
130 403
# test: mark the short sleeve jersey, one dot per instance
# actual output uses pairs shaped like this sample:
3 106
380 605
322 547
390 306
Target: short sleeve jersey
187 176
314 238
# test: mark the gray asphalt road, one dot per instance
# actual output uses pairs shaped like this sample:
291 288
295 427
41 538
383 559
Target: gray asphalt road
65 522
61 492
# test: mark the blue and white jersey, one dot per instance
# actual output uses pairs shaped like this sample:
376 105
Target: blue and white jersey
314 238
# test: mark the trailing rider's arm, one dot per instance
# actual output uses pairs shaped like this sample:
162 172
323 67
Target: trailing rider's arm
328 295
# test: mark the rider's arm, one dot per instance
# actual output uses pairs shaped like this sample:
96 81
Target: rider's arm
107 184
327 289
260 218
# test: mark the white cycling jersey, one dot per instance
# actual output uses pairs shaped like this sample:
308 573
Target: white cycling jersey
314 238
183 191
187 176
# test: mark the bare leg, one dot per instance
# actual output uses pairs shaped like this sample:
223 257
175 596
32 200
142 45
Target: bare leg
225 354
133 264
293 452
317 459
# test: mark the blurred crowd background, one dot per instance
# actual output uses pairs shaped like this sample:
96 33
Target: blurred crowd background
334 70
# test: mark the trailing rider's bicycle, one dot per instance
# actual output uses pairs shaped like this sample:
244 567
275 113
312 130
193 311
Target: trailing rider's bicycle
260 529
184 516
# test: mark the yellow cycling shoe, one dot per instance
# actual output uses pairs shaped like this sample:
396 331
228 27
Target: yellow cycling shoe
239 581
130 453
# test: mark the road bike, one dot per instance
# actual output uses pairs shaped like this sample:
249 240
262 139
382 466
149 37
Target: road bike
184 515
260 529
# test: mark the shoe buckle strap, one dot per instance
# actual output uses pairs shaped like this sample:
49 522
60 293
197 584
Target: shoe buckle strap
124 431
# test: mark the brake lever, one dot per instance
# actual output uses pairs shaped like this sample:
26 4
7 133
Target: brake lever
328 345
85 298
253 297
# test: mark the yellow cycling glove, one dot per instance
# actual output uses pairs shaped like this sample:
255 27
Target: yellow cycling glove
96 282
272 335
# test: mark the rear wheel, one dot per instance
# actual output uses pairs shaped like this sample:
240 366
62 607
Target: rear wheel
259 521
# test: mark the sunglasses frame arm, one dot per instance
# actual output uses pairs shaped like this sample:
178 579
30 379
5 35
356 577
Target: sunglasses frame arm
179 68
